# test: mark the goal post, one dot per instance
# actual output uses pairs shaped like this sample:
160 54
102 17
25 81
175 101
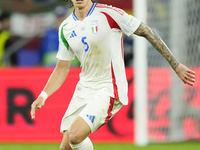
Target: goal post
141 66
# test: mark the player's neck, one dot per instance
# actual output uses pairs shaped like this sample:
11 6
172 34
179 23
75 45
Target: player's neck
82 12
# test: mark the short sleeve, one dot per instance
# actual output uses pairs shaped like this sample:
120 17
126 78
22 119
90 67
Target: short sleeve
64 51
127 23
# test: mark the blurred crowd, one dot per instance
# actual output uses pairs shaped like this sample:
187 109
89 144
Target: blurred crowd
37 49
5 36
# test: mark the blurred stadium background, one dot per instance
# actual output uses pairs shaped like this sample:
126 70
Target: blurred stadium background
28 44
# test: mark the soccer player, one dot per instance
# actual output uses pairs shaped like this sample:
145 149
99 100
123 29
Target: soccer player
93 32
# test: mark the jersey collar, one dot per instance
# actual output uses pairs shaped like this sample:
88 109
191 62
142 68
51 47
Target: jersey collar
89 13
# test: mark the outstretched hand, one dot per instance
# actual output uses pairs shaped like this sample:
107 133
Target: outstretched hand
37 104
185 74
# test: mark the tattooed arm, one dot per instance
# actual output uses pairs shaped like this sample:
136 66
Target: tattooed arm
184 73
157 43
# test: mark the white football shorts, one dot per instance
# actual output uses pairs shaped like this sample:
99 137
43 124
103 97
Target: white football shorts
95 107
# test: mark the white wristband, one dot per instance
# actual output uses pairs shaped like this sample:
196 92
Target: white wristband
44 95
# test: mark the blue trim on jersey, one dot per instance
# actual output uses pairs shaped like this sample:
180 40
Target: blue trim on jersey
89 13
75 18
91 9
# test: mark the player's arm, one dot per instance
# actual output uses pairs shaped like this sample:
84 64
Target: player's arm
56 79
184 73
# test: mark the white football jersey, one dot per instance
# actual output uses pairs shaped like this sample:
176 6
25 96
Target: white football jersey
97 43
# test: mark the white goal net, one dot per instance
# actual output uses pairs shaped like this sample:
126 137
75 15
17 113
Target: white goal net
173 108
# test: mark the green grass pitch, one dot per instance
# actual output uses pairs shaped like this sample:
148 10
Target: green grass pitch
102 146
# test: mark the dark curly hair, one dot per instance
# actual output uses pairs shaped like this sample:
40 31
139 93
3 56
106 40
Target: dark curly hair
70 4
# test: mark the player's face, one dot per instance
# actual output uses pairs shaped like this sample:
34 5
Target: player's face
80 3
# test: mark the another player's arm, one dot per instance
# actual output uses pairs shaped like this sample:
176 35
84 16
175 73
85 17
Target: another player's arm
184 73
56 79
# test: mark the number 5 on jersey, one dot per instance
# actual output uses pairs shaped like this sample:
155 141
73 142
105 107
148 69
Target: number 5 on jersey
85 43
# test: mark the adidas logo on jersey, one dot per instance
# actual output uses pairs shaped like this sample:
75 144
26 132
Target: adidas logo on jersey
91 118
73 34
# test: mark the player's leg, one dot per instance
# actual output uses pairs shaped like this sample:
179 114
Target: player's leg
77 129
76 138
97 112
78 135
65 142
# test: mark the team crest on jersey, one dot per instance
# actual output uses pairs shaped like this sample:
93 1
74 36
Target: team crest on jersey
94 25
